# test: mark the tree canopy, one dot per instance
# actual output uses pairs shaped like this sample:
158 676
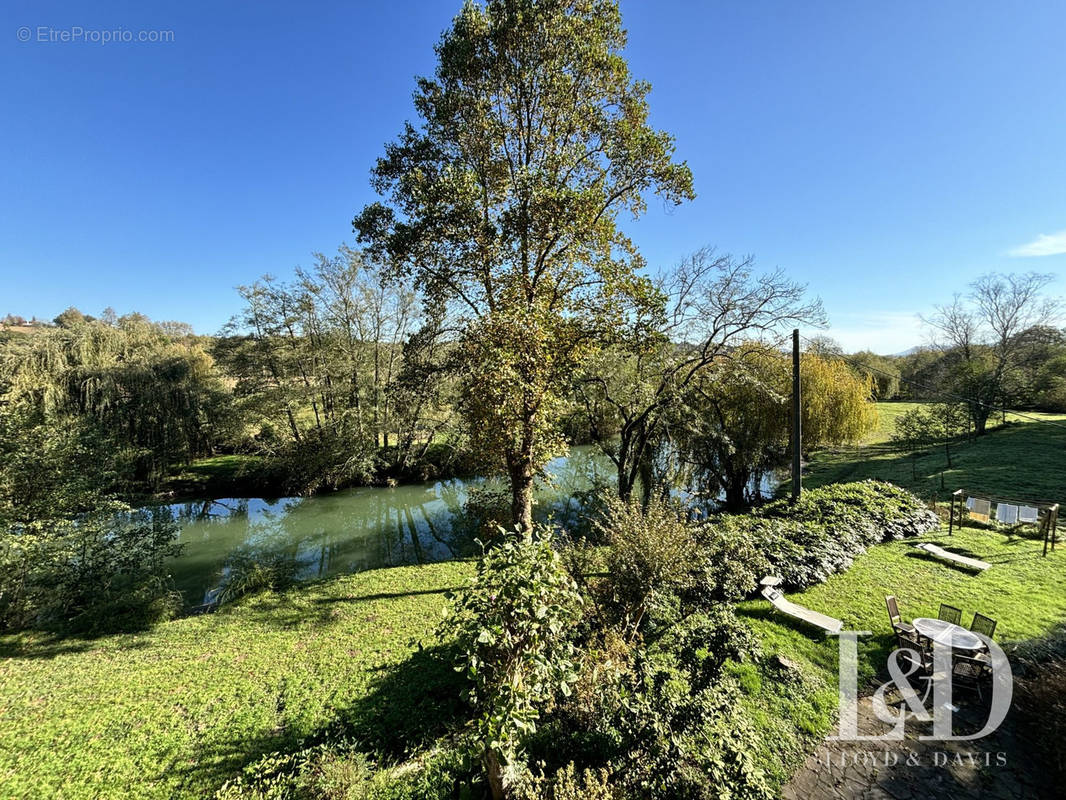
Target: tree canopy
533 139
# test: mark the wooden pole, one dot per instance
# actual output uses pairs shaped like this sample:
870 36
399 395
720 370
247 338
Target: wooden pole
797 425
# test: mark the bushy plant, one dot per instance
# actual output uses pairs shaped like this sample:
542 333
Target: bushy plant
327 459
97 571
821 535
661 717
249 572
513 626
660 555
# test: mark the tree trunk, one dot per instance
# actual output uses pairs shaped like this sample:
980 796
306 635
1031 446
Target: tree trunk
521 474
736 484
494 772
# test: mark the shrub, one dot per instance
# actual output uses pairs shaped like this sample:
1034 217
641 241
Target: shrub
807 542
249 572
513 625
100 571
658 714
660 556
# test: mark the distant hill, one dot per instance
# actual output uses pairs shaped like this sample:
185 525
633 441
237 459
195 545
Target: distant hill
909 351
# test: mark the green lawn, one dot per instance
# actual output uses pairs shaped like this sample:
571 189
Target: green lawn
178 710
1024 592
1023 459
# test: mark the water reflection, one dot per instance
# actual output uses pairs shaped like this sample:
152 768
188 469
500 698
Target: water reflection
353 530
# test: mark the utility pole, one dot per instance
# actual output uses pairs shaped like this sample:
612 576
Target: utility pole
797 425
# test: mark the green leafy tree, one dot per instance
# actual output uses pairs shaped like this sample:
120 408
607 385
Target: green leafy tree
504 203
742 418
927 425
513 624
632 392
881 370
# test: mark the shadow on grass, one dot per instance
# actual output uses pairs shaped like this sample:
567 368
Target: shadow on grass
408 706
384 595
45 646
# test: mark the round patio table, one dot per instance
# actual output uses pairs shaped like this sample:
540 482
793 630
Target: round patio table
954 636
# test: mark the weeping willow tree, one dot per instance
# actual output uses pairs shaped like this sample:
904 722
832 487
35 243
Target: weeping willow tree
158 400
739 417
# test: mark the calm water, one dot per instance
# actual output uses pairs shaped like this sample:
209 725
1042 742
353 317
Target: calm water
351 530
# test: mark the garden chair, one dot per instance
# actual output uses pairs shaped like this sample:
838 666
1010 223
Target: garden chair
894 616
986 626
950 614
970 672
915 649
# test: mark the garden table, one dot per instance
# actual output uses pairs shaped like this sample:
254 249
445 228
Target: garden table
954 636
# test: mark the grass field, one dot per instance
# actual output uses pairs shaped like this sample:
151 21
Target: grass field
176 711
1023 459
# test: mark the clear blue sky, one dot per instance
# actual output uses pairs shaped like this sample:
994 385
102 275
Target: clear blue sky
884 153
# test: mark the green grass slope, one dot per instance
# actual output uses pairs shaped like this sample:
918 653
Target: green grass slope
1024 592
1025 459
178 710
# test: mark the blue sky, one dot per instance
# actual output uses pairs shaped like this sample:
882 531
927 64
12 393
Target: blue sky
884 153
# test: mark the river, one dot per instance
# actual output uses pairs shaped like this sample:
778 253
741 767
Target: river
350 530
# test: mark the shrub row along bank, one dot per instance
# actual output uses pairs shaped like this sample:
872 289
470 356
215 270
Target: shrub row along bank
622 671
821 535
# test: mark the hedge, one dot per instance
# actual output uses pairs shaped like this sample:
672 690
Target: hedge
807 542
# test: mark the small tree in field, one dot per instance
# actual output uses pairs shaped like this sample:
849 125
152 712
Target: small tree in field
504 202
926 426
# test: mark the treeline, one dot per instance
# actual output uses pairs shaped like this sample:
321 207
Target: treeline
994 348
1036 379
347 375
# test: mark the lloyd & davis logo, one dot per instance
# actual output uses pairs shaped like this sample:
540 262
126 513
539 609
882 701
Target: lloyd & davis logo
935 702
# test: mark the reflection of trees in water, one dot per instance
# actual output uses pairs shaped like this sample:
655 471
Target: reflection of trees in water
354 530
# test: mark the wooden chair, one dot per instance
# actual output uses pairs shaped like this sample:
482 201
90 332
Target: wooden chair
986 626
916 650
950 614
970 672
894 616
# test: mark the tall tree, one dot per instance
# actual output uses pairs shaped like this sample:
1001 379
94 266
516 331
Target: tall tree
710 304
741 417
504 201
981 331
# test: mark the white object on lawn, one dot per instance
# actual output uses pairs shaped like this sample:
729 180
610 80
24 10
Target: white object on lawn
947 555
808 615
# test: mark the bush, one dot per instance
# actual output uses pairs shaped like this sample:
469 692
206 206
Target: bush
821 535
100 571
513 626
249 572
660 556
661 718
